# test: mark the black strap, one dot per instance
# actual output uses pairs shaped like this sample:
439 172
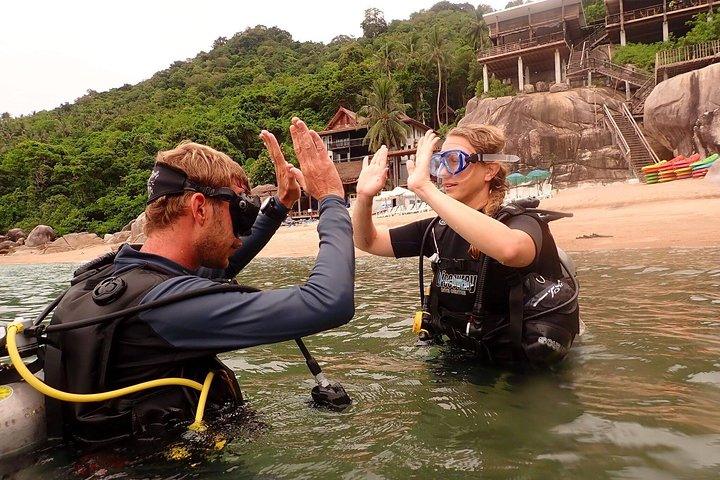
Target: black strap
55 378
516 318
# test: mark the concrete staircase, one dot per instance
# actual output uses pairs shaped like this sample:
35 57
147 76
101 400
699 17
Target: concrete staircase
630 140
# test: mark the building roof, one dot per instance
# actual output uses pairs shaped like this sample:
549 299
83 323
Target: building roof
264 190
346 120
349 171
523 10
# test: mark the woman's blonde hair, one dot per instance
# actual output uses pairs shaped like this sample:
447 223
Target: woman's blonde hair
201 164
487 139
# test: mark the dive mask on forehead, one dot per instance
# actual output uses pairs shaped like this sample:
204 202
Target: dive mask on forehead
452 162
165 180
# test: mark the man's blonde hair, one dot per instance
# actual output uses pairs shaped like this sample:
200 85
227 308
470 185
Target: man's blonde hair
201 164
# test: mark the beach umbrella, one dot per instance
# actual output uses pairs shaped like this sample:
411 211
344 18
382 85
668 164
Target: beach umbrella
538 175
516 178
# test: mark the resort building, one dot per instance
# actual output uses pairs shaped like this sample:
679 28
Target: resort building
532 42
648 21
344 138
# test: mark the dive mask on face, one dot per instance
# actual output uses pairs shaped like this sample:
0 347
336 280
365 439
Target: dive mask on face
166 180
453 162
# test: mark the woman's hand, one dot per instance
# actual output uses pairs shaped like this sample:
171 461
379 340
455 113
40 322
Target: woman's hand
419 170
374 174
288 186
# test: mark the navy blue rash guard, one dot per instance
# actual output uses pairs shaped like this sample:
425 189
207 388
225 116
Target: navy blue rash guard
228 321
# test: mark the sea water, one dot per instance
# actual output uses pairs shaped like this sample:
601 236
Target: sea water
638 397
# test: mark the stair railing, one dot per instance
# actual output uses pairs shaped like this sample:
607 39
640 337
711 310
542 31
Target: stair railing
619 138
626 112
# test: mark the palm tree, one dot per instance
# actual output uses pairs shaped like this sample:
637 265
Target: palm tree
382 112
436 45
478 30
386 57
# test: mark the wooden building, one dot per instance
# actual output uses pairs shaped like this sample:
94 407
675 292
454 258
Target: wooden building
647 21
531 42
344 138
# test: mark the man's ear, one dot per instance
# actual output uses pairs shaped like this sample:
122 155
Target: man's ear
493 169
199 208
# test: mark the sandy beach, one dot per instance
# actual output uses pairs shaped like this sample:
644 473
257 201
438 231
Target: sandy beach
683 213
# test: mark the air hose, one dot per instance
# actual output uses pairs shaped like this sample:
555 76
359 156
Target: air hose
15 328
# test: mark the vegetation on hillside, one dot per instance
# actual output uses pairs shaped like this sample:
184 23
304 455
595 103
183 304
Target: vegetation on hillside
83 165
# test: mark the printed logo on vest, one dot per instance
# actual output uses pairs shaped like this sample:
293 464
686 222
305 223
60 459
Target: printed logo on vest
456 283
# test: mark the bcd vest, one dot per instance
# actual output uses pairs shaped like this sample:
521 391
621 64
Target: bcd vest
120 353
542 317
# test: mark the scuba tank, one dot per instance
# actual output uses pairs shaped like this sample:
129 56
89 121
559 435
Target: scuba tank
23 425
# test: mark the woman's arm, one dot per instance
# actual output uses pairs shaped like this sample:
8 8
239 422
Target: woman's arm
508 246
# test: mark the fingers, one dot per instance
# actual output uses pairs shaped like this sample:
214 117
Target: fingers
365 162
273 148
319 145
410 165
299 177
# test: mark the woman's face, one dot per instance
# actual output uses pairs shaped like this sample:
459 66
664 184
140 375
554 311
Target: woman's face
468 185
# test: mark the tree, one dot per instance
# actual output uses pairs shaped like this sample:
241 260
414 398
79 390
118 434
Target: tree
374 23
515 3
478 30
383 109
436 47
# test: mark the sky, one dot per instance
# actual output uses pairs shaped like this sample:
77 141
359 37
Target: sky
52 51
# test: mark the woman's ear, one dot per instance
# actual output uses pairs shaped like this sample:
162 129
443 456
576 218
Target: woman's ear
492 170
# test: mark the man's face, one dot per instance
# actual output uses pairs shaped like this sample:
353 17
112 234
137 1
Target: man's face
218 241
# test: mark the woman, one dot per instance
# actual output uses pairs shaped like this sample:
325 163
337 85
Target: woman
479 261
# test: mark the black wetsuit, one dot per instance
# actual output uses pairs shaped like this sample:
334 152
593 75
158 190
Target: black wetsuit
181 339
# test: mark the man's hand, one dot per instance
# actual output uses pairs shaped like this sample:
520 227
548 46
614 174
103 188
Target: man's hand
374 174
419 170
288 186
317 175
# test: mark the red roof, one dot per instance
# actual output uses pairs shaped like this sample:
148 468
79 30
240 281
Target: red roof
345 120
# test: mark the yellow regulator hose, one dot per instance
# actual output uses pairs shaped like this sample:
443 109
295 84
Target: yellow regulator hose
15 328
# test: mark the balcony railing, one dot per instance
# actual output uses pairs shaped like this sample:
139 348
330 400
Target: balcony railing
522 45
687 53
672 6
346 143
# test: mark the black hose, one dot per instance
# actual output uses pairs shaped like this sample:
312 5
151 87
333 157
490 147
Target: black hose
309 360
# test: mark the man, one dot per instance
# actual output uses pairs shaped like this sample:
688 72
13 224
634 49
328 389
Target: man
200 231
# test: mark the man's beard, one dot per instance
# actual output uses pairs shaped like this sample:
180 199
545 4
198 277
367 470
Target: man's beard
211 246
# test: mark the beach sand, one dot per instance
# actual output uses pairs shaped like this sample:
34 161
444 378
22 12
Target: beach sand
684 213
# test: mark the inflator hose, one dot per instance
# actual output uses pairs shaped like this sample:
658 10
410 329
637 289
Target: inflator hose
15 328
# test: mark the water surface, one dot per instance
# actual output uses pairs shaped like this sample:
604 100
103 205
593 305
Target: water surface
638 397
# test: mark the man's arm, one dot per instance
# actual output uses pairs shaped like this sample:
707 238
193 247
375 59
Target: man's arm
228 321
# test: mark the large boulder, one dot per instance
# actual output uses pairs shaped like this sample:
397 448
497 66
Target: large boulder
40 235
137 230
707 133
15 234
674 107
119 237
73 241
561 131
6 247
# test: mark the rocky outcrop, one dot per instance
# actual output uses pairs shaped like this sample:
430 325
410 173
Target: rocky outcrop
561 131
40 235
119 237
675 106
706 133
15 234
137 230
73 241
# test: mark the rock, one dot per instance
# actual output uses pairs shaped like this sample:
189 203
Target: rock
4 237
15 233
560 131
128 226
706 133
559 87
119 237
20 241
529 89
73 241
40 235
137 232
6 247
541 86
675 106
